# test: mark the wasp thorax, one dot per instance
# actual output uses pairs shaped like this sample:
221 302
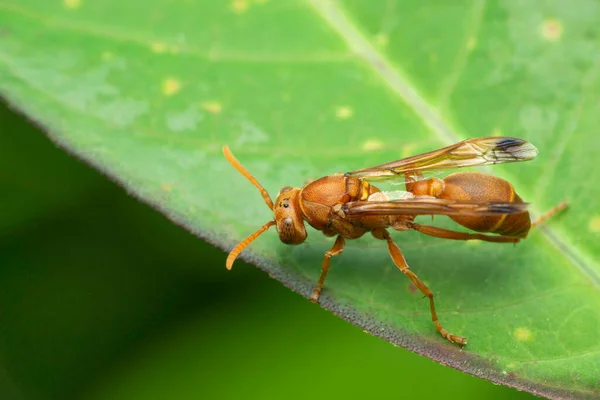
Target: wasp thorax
288 216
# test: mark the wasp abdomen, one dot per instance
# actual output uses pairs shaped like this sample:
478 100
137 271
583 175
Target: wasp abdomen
481 187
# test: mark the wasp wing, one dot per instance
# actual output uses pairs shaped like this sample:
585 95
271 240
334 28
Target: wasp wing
432 206
468 153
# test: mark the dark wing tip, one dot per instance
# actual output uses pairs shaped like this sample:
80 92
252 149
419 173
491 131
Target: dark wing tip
507 207
518 148
509 142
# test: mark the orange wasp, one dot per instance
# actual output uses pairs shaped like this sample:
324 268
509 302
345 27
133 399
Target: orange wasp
348 206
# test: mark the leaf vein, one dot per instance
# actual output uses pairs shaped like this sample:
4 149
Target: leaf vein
463 53
587 352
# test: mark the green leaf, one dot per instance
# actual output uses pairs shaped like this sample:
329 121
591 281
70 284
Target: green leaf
148 93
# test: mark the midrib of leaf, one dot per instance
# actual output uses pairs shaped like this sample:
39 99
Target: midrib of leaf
395 79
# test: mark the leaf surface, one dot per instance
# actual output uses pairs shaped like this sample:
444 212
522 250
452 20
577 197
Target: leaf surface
149 93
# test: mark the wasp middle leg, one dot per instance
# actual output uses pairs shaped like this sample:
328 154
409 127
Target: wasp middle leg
400 262
337 248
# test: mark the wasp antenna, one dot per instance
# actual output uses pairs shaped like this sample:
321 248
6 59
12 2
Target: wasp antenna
244 243
233 161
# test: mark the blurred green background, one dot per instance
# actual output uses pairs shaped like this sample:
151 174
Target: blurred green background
102 297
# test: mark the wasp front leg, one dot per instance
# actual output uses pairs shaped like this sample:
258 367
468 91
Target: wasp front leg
400 262
337 248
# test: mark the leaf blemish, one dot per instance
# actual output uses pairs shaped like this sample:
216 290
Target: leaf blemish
186 120
372 144
408 149
72 4
523 334
250 132
170 86
239 6
158 47
107 56
471 43
344 112
552 30
213 107
412 288
381 39
594 225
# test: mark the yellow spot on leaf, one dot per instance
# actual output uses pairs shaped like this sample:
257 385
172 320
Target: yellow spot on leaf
213 107
107 56
239 6
408 150
72 4
594 225
372 144
158 47
344 112
170 86
473 242
552 30
471 43
523 334
166 187
381 39
497 132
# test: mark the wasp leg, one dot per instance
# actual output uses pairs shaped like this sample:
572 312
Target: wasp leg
337 248
448 234
550 213
400 262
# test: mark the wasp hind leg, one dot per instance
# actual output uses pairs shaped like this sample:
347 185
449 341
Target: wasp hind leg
454 235
400 262
337 248
550 213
